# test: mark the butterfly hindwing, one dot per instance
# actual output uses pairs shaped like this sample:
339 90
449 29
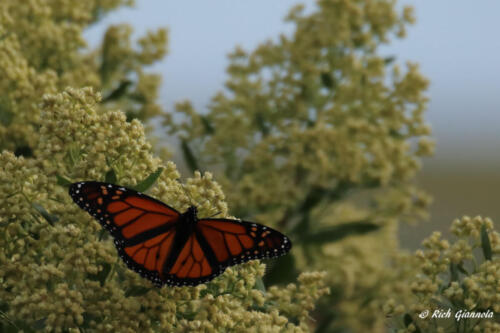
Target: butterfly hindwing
219 243
192 266
143 227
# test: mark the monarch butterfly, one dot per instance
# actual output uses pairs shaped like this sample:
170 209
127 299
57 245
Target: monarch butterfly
169 247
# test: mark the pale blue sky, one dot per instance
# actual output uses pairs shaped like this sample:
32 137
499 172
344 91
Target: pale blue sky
455 41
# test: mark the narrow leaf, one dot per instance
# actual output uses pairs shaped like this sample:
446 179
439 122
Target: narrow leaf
283 271
87 318
485 243
144 185
327 80
209 128
136 291
102 234
394 133
462 269
5 35
138 97
105 69
324 323
101 275
259 285
23 150
189 157
453 272
17 326
110 176
62 181
389 60
408 320
261 123
46 215
39 324
336 233
314 197
6 116
119 92
303 226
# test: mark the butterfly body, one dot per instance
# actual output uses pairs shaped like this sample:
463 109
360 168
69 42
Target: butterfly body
169 247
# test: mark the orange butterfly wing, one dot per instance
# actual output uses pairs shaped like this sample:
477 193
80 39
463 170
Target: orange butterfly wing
233 242
218 243
144 228
167 247
192 266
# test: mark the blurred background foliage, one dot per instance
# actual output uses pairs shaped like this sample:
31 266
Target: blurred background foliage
315 133
59 123
319 136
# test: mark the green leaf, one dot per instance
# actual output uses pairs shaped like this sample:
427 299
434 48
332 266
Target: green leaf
327 80
106 67
17 326
101 275
102 234
110 176
138 97
462 269
282 270
144 185
485 243
136 291
23 150
394 133
189 157
39 324
259 285
302 227
88 318
314 197
46 215
324 322
6 116
389 60
453 272
62 181
408 320
338 232
5 35
443 305
119 92
261 123
209 128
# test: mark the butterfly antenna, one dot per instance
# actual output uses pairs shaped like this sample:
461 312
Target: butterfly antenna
213 215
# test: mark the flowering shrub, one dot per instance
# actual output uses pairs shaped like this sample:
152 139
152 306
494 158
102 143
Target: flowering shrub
316 135
40 52
59 272
56 272
450 282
